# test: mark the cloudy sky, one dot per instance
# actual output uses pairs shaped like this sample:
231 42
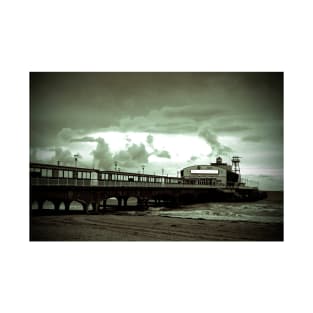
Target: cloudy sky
159 120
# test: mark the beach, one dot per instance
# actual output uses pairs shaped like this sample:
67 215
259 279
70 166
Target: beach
111 227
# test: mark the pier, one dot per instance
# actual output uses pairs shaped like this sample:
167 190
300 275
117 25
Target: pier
61 185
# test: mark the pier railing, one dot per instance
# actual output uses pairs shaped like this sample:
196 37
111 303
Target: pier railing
108 183
39 181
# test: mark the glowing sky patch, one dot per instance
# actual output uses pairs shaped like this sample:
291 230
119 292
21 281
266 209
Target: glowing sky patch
180 147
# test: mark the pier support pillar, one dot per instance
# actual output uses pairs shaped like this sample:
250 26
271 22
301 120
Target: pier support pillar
125 202
56 205
119 201
103 206
95 206
142 203
67 206
40 205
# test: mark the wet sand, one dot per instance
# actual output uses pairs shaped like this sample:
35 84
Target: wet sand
147 228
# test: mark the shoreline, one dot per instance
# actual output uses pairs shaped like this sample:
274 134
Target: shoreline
112 227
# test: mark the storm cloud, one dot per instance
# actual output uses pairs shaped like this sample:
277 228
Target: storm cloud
156 152
163 154
133 157
64 156
102 157
218 149
252 138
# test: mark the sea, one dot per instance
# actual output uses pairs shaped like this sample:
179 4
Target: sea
269 210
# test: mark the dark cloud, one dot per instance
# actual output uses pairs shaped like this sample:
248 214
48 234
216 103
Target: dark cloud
151 102
85 139
218 149
156 152
251 138
150 140
102 157
133 157
65 156
163 154
156 122
195 112
230 128
172 119
66 134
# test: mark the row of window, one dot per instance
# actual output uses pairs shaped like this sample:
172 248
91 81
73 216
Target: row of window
119 177
103 176
146 179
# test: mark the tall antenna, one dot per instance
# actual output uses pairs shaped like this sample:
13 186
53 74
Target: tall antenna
235 164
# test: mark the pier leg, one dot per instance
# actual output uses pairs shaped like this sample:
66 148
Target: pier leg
104 205
142 203
95 206
125 202
40 205
56 205
67 206
119 200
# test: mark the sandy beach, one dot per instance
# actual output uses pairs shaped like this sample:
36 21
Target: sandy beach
148 228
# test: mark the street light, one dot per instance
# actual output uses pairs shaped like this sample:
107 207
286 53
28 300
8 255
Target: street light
143 169
76 157
115 164
162 171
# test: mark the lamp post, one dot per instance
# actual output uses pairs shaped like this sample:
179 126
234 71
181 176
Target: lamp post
76 158
115 165
143 169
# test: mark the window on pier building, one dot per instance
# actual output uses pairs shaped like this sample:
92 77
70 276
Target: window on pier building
86 175
46 173
66 174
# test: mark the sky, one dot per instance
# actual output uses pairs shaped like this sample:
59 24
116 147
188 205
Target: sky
160 121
